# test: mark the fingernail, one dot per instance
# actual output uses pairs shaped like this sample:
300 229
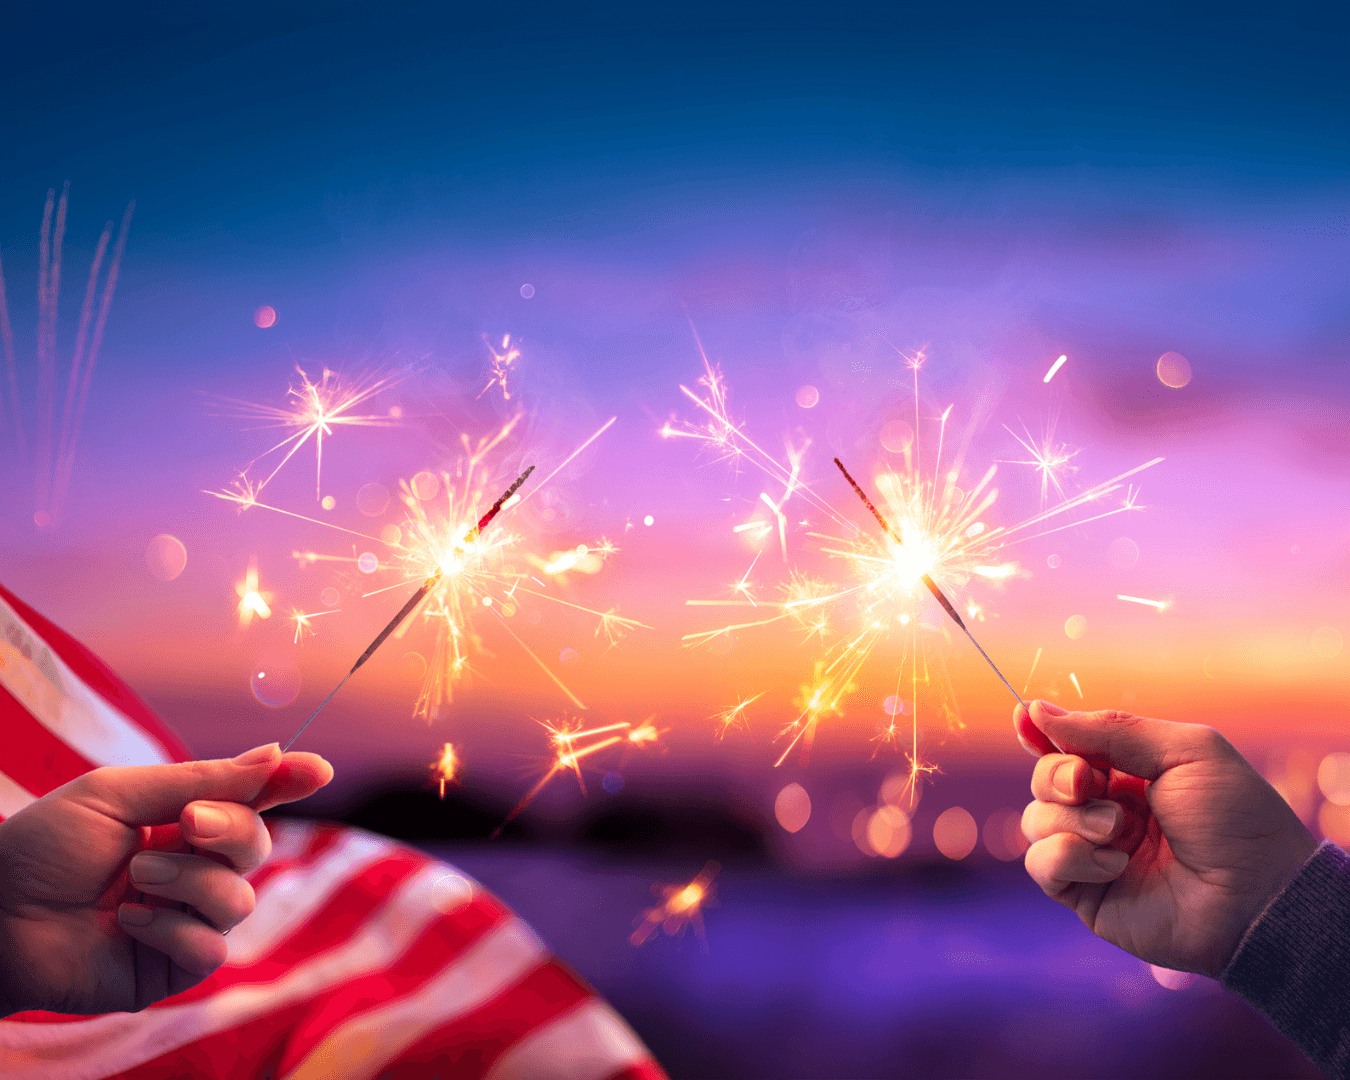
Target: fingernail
135 915
1100 819
1053 710
153 869
257 755
1112 860
1062 781
208 821
1028 747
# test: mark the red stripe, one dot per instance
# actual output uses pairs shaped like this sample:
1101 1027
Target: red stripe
99 677
436 948
34 757
469 1045
646 1070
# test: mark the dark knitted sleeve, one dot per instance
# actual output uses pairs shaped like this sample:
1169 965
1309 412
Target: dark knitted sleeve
1293 964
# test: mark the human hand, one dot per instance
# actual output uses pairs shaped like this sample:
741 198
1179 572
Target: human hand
1160 836
76 934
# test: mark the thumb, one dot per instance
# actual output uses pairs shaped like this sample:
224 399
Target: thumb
1133 744
156 794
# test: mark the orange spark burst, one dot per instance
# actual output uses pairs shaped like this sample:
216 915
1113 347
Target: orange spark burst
734 716
445 769
680 906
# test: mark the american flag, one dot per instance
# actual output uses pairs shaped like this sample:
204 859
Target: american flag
364 958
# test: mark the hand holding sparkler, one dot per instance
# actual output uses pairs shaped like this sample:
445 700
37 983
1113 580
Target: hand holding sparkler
414 600
1177 876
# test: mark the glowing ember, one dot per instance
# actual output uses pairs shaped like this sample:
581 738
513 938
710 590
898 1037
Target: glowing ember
680 906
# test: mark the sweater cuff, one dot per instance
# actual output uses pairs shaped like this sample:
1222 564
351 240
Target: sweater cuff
1291 964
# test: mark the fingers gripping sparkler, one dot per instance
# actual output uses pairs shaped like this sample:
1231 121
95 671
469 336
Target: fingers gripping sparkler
928 581
412 603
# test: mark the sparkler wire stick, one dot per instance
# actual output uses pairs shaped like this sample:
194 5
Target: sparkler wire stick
928 581
412 603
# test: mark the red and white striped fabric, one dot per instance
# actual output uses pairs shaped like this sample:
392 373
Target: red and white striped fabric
364 958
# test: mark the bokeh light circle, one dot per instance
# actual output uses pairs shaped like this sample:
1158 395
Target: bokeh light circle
792 808
1326 642
1053 561
567 657
1174 370
1122 553
888 831
330 596
367 563
328 502
392 535
264 317
165 557
613 782
898 790
527 291
1333 778
897 436
649 520
955 833
426 485
1334 823
808 397
1075 626
1002 834
275 682
412 666
372 499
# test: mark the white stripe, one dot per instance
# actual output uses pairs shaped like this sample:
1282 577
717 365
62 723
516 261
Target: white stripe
290 838
105 1045
62 703
362 1047
293 896
588 1043
13 797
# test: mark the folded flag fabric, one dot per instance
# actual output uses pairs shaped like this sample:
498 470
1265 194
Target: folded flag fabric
363 959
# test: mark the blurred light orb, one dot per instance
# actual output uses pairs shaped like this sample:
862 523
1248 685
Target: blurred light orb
42 519
894 706
897 436
1334 823
1326 642
395 412
613 782
372 499
1172 980
392 535
450 892
1003 837
412 666
330 596
275 682
265 317
527 291
367 563
1333 778
567 657
858 830
808 397
898 790
792 808
165 557
328 502
955 833
1054 562
426 485
534 618
649 520
1075 626
1122 553
1174 370
888 831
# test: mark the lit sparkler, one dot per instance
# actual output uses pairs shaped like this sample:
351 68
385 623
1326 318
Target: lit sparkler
680 906
939 542
449 561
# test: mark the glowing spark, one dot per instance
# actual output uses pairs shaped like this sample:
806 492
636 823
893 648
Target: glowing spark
252 601
734 716
1036 660
501 365
445 769
1050 459
1161 605
1054 367
680 906
302 622
317 408
1074 679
